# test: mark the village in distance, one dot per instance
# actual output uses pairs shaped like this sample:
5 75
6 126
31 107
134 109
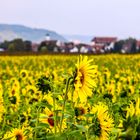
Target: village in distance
58 44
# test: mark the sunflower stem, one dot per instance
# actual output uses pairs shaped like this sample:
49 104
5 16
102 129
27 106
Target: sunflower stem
72 106
37 120
86 134
4 122
64 103
54 114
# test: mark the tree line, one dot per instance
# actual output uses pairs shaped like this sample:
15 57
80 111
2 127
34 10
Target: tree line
18 45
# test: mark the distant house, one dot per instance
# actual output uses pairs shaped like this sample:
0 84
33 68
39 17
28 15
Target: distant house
138 45
50 42
84 48
78 47
35 47
104 40
74 50
98 48
68 46
1 50
103 44
126 48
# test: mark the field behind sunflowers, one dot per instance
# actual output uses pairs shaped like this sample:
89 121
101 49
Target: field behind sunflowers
70 97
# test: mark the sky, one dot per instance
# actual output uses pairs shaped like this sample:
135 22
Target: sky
119 18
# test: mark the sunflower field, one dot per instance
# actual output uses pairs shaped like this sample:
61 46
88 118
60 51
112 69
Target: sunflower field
70 97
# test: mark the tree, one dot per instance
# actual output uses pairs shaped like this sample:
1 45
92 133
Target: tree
4 45
19 45
133 43
16 45
42 44
11 47
118 46
28 45
43 49
50 45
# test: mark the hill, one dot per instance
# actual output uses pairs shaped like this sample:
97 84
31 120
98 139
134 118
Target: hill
10 32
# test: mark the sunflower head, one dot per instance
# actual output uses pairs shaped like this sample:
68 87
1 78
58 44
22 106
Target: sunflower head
84 78
15 134
80 111
133 109
43 84
23 74
51 120
47 117
101 122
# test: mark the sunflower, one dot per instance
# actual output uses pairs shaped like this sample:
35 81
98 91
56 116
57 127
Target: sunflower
133 110
107 75
14 98
23 74
102 123
80 110
84 78
15 134
2 109
110 88
13 92
1 89
25 118
48 118
131 124
31 89
48 98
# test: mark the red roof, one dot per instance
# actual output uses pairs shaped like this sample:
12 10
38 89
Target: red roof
104 39
138 43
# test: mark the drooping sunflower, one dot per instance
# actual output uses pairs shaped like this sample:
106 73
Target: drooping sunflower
131 124
102 123
84 78
133 110
110 88
15 134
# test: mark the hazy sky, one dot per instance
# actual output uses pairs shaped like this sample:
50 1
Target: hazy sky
87 17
